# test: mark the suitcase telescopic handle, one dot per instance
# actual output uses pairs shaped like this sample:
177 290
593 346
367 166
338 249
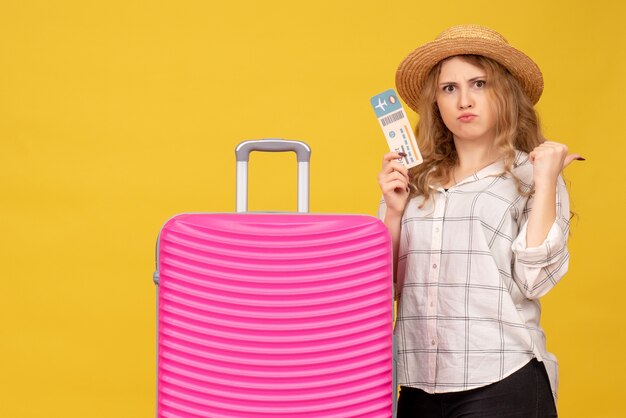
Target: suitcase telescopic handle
303 153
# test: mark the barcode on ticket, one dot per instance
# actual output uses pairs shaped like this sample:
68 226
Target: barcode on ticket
386 120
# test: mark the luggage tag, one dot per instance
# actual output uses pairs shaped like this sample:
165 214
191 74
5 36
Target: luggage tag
396 127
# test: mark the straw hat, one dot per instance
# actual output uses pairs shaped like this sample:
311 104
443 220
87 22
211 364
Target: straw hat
462 40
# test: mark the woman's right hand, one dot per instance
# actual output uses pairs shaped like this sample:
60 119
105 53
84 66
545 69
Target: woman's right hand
394 183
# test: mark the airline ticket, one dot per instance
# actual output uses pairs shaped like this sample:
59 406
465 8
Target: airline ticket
396 127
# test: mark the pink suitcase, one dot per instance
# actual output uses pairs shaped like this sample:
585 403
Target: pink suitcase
274 314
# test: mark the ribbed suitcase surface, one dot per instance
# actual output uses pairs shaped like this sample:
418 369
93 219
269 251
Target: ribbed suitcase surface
274 315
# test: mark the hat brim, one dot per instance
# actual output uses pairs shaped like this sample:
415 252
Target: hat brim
412 71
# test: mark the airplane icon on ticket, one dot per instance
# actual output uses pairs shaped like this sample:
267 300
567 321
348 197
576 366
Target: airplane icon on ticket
381 104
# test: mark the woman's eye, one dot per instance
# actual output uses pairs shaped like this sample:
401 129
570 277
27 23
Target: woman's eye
480 83
449 88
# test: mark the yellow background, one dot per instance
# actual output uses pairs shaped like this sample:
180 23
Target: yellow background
115 115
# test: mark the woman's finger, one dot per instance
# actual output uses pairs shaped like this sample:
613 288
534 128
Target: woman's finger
393 186
390 156
392 164
390 172
397 176
572 157
386 178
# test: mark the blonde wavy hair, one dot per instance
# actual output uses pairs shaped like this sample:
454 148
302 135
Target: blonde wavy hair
517 127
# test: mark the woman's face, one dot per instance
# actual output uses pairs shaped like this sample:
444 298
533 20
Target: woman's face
465 102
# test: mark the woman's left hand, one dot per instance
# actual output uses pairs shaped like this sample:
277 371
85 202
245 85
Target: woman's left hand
548 160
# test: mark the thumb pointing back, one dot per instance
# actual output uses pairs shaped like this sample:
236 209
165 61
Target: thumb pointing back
572 157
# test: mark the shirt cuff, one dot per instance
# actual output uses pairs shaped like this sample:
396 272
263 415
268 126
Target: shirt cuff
544 253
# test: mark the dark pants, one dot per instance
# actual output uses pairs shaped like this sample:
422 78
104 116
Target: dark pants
524 394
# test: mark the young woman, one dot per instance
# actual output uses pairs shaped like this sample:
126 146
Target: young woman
479 232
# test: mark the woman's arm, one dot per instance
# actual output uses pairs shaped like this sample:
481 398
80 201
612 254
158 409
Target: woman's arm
538 268
541 256
393 223
393 181
542 215
548 160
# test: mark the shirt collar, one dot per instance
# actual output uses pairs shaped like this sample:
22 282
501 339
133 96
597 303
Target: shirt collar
494 169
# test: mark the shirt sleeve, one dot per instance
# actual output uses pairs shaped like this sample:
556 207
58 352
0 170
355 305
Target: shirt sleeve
382 209
398 269
538 269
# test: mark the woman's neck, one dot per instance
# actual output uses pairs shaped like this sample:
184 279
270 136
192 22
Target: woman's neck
474 155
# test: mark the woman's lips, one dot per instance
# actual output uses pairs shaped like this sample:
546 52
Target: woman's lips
467 117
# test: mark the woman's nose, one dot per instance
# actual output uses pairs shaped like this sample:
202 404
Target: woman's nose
465 101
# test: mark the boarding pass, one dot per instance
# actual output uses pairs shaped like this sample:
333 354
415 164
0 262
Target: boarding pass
396 127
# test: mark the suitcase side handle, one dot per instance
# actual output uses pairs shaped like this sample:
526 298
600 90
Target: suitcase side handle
303 153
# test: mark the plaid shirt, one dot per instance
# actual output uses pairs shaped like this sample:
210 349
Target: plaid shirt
469 313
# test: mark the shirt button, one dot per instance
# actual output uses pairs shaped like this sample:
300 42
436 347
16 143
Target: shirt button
434 266
437 229
433 342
